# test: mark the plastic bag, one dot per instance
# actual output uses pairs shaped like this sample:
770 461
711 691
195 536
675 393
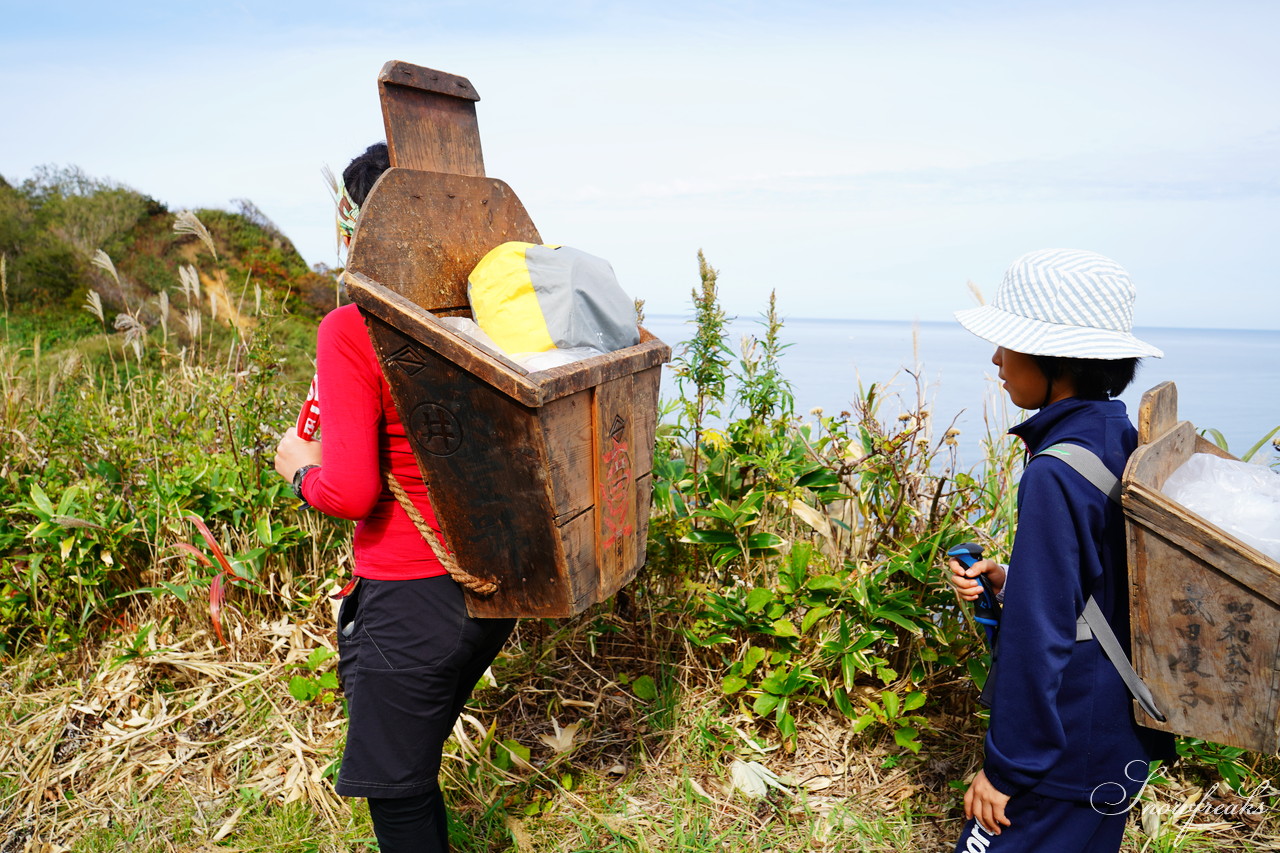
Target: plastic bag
533 361
555 357
1241 498
471 330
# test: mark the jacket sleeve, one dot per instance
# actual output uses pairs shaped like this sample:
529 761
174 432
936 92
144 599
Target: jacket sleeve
348 483
1043 597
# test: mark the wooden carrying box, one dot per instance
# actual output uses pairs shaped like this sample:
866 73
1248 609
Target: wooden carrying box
540 481
1204 606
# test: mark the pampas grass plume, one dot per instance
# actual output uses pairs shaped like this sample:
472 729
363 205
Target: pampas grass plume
187 223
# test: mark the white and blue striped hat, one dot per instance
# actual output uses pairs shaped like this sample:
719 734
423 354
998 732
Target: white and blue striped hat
1062 302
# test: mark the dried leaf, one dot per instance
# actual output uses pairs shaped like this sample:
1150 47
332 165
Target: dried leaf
752 779
812 517
562 741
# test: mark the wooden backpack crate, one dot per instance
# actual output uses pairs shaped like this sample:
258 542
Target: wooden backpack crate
1204 606
540 480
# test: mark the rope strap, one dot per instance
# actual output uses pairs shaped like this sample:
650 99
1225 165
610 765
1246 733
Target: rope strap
480 586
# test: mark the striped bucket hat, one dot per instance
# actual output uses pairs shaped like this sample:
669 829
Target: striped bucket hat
1062 302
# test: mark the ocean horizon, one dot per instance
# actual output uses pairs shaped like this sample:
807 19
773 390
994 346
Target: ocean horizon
1227 379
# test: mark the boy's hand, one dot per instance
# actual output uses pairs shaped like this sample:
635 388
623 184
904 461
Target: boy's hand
985 803
964 580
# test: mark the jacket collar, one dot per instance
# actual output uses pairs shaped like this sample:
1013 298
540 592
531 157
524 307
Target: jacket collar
1038 430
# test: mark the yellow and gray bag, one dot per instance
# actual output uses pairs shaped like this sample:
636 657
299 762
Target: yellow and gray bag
530 298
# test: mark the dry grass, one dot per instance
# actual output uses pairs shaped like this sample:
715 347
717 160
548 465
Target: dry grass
203 745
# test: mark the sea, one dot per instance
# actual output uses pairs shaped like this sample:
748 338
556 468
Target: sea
1227 379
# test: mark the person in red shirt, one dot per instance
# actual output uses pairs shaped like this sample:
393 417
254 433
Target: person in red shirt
409 654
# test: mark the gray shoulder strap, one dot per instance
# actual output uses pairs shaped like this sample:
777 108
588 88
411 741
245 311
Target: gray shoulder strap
1088 465
1092 624
1107 639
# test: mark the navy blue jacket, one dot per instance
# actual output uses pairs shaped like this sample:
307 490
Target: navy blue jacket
1061 719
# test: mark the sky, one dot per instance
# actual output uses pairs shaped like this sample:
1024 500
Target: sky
863 159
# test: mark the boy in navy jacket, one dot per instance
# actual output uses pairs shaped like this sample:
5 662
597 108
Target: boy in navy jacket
1063 752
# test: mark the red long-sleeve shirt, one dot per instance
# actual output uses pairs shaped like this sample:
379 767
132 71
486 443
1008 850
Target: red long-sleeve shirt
362 436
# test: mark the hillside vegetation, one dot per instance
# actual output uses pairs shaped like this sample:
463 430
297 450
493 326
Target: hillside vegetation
788 673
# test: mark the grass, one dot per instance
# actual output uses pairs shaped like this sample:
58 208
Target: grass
130 727
196 748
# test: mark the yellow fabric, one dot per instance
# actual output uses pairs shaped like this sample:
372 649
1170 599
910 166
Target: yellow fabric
504 303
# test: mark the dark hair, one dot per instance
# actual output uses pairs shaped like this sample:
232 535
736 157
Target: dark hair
363 172
1093 378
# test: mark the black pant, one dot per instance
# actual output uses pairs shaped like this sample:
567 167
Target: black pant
409 657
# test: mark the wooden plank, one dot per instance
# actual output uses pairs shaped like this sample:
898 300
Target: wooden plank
421 233
1158 412
572 378
1208 648
430 119
485 458
1205 542
578 538
647 385
1151 464
567 433
615 477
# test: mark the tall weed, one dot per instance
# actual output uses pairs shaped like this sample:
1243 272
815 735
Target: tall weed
817 545
117 440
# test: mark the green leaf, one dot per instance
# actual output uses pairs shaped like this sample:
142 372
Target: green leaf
644 688
708 537
784 628
329 680
813 616
509 748
913 700
822 478
863 721
725 555
823 582
1248 454
317 657
754 656
1218 438
977 671
758 598
764 541
906 738
302 688
850 667
732 684
892 704
897 619
787 726
843 705
765 703
41 500
178 592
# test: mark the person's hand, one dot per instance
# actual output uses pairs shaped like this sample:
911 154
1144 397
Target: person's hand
984 802
965 580
293 452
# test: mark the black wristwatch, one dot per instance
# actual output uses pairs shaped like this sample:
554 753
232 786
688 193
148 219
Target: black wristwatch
298 477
